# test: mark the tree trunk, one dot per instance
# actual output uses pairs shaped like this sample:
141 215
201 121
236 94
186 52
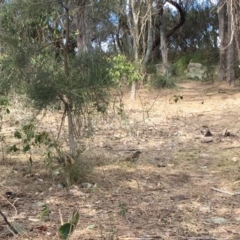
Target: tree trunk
81 28
163 47
236 17
163 40
133 90
222 17
149 42
67 99
230 51
133 23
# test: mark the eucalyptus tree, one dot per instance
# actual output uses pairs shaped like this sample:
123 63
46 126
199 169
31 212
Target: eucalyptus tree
142 28
229 32
47 53
234 18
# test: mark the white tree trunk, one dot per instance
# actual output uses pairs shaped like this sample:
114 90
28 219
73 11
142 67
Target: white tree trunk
133 22
230 49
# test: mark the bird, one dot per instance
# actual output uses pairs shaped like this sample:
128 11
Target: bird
134 157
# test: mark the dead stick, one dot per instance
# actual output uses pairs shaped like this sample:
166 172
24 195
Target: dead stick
223 191
8 223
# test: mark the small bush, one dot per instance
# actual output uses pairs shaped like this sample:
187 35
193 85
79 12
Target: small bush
205 57
74 169
162 82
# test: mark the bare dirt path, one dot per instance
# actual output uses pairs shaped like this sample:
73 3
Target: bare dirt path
185 184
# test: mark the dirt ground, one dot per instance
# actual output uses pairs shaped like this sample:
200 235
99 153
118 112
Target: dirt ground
185 184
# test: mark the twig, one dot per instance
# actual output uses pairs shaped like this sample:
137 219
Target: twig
227 148
16 213
236 182
204 238
149 109
60 215
8 223
224 191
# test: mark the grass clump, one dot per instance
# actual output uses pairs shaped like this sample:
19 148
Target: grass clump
68 169
159 81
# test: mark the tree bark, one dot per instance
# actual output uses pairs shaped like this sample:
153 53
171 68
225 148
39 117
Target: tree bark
222 18
181 21
163 39
67 99
230 49
149 44
133 23
236 16
81 27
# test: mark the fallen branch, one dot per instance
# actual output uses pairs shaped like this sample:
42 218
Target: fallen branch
224 191
8 223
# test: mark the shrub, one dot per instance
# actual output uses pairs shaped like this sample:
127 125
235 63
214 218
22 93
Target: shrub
159 81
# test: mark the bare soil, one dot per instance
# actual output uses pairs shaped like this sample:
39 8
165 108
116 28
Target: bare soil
185 184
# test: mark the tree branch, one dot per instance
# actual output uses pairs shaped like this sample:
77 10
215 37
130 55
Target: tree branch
178 25
181 20
8 223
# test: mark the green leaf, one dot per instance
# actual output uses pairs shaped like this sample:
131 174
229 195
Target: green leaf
65 230
17 135
29 130
3 101
45 212
26 148
42 137
13 148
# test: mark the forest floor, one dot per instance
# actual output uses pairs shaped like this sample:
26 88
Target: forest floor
184 186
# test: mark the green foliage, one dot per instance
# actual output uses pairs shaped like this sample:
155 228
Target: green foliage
151 68
122 69
181 65
45 212
188 40
29 138
67 228
72 169
176 98
86 84
89 81
159 81
4 107
20 18
204 57
38 61
4 110
123 209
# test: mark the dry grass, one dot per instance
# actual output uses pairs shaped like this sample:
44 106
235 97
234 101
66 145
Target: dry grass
167 194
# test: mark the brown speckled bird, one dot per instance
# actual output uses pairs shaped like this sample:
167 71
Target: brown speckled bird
134 157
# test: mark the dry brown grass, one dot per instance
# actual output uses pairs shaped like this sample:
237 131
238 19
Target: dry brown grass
167 194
